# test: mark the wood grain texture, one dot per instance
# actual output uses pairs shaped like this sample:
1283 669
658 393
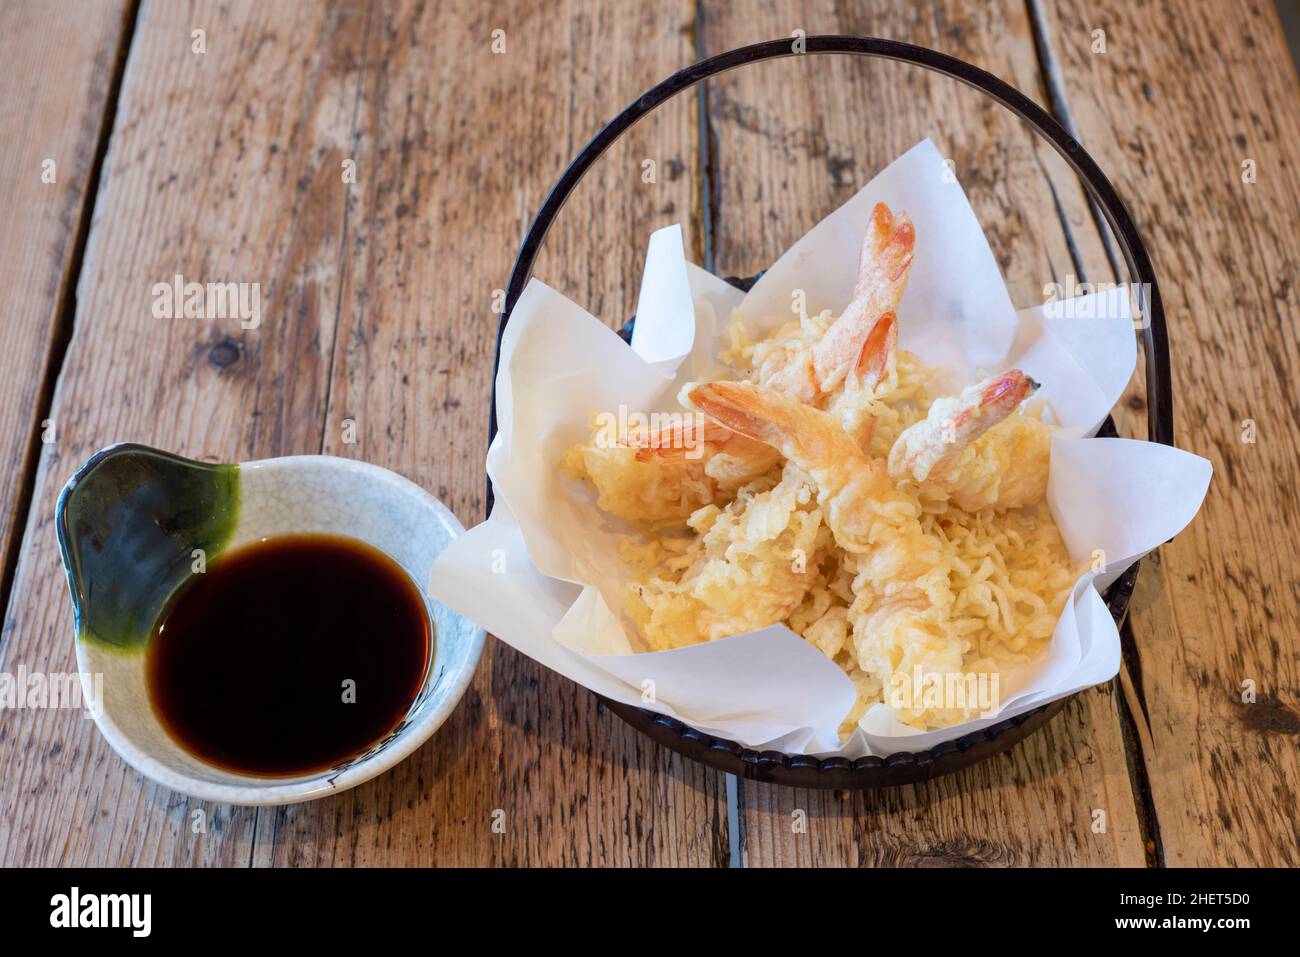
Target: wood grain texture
377 306
60 60
794 139
222 167
1180 99
454 154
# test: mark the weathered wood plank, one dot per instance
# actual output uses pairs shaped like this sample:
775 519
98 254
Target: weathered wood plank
1181 98
454 148
1218 610
456 152
794 139
60 63
223 166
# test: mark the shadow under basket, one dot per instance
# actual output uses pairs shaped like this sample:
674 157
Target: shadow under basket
798 770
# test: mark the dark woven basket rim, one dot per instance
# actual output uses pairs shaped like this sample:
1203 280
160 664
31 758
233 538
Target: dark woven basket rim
900 767
766 760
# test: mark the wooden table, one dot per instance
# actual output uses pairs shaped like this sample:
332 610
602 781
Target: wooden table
378 303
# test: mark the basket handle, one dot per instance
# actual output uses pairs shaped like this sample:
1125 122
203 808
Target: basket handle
1160 412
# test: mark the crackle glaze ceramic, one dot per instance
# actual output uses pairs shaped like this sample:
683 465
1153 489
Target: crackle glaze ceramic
129 524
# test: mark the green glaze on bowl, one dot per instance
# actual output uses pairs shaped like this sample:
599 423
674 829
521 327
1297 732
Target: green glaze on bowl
133 524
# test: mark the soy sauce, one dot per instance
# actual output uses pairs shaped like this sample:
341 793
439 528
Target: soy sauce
289 655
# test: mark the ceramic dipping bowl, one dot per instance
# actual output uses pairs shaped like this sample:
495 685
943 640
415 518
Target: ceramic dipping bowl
129 524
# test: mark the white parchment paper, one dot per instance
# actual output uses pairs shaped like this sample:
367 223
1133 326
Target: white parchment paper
543 573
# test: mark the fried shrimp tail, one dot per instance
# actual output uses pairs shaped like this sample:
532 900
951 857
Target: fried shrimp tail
973 451
877 354
883 267
697 440
953 424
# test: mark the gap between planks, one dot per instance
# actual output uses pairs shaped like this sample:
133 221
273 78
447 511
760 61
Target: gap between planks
1131 707
343 254
706 183
1058 105
1131 702
64 318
